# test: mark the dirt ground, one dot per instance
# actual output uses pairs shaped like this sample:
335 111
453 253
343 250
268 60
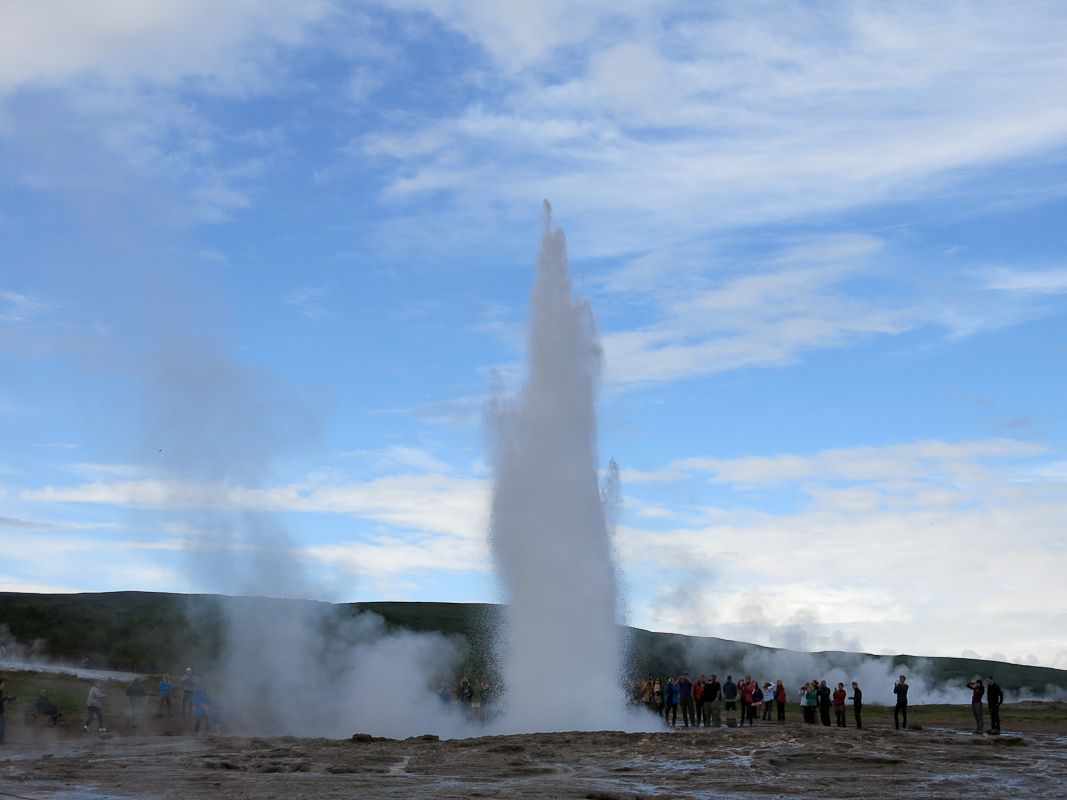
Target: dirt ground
164 760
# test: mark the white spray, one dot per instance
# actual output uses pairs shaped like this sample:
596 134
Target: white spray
549 538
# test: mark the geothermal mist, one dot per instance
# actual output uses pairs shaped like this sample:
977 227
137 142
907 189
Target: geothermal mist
548 534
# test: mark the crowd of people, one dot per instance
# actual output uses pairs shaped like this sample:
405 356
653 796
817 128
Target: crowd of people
196 703
705 701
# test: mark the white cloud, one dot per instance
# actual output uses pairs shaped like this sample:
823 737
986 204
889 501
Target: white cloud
1053 281
14 583
664 124
125 41
921 460
934 544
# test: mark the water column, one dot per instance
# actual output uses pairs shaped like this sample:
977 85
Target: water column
548 536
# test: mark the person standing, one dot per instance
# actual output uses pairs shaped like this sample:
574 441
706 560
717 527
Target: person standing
189 683
165 689
659 698
768 701
811 702
670 696
466 692
685 700
977 693
201 702
857 704
698 700
994 696
136 695
824 703
900 689
779 698
713 702
95 696
4 700
755 702
729 697
839 705
744 696
646 690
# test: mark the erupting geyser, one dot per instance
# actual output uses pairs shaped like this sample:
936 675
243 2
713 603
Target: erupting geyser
549 538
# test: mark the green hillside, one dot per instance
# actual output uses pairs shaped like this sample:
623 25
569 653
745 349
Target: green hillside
152 632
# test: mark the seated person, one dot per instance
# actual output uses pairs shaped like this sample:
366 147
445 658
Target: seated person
46 708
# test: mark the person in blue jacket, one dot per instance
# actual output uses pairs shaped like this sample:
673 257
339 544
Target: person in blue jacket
670 697
201 704
165 690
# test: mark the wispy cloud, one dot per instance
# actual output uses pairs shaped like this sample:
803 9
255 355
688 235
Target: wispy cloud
16 307
767 316
401 456
1052 281
311 301
960 462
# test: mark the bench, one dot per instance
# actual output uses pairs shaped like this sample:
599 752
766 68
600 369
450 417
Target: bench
29 711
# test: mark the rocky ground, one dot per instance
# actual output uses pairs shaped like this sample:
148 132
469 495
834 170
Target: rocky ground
772 761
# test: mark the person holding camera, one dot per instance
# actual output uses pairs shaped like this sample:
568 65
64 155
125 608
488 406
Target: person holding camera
977 693
900 689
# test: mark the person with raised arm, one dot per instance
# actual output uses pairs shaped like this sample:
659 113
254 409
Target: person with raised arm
900 689
977 693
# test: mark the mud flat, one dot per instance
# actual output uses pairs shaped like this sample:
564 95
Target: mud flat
789 761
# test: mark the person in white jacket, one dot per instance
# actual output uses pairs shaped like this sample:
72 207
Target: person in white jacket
95 696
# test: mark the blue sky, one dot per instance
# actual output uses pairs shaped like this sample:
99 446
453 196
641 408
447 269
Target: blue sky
260 260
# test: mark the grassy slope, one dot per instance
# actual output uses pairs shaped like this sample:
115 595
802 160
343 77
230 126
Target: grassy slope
154 631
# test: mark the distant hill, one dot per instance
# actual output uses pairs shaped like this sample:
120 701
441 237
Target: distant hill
151 632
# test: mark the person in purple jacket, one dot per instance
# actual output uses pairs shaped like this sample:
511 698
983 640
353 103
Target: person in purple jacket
685 700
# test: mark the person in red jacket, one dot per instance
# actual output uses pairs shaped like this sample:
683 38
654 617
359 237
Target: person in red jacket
779 699
744 696
839 704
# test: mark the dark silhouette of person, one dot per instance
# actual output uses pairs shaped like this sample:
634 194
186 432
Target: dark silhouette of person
994 697
900 689
857 703
824 703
